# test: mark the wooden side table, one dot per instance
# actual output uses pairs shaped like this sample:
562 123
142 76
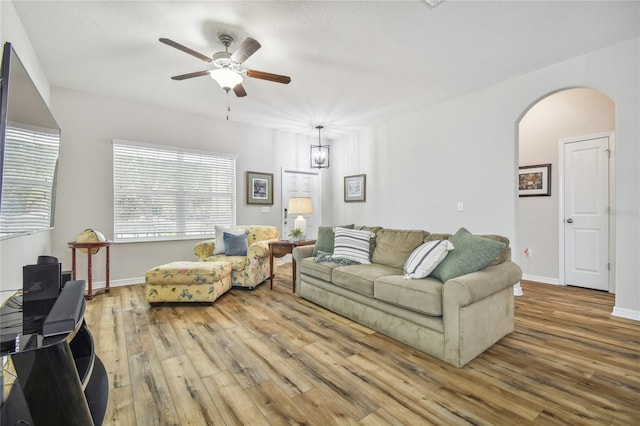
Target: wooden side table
89 246
280 249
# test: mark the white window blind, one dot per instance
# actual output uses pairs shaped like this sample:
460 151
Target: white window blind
29 170
163 193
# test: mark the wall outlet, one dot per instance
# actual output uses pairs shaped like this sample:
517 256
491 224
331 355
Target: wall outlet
460 206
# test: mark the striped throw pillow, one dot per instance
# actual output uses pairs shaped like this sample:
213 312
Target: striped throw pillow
426 258
352 244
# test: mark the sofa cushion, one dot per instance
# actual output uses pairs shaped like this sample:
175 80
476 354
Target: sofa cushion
360 278
503 256
320 270
393 246
220 230
426 258
325 239
423 295
373 229
353 244
235 245
471 253
237 262
183 272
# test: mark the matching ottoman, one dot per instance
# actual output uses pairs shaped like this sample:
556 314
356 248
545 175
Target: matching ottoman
188 281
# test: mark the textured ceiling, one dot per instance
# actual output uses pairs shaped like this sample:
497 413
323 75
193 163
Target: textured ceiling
350 61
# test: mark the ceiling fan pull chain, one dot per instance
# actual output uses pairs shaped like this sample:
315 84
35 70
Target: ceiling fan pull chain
228 106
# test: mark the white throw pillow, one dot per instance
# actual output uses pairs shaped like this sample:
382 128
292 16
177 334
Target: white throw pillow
426 258
220 230
352 244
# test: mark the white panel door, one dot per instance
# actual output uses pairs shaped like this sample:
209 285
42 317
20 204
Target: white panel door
301 184
586 218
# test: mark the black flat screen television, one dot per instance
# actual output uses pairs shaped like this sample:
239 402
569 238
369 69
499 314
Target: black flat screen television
29 148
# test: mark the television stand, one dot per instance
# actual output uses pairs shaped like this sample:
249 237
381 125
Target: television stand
59 378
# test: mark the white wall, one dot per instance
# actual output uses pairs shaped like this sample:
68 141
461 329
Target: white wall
466 149
418 166
566 114
84 199
19 251
13 32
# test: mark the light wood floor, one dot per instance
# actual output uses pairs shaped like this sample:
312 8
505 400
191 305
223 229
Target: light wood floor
268 357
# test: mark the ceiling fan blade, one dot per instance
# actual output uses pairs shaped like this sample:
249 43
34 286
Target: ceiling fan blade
284 79
190 75
246 49
239 90
185 49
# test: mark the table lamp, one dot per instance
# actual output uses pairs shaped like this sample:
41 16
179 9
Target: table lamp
300 206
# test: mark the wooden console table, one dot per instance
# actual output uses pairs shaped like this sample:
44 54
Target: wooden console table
90 247
280 249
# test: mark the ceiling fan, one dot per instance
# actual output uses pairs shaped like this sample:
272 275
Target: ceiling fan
227 71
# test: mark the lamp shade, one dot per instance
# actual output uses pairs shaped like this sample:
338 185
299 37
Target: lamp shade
300 205
226 78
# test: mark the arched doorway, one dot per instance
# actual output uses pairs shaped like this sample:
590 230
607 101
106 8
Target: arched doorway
543 130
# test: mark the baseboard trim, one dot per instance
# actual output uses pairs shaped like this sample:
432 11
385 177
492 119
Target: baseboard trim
99 285
626 313
541 279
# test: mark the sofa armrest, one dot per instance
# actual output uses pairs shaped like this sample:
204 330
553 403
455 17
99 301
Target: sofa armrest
258 250
470 288
477 310
298 254
204 249
301 252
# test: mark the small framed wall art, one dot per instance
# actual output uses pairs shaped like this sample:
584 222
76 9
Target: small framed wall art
259 188
534 181
355 188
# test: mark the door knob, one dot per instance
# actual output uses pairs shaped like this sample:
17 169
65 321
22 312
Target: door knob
569 220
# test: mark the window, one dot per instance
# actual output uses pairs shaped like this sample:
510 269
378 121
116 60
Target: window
28 180
164 193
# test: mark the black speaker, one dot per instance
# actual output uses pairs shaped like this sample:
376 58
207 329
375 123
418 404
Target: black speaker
47 260
66 277
40 287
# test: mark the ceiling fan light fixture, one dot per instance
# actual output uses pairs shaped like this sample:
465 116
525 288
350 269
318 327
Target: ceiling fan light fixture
226 78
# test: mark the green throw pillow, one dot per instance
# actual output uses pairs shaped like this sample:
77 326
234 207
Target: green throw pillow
326 237
470 254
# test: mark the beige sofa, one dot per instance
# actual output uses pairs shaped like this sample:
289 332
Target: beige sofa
246 270
454 321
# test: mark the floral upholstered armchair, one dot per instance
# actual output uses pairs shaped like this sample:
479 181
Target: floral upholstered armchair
246 248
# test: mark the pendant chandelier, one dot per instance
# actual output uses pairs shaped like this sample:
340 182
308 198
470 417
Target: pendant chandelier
320 153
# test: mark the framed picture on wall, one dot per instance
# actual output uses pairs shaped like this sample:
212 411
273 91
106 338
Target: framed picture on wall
355 188
259 188
534 181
